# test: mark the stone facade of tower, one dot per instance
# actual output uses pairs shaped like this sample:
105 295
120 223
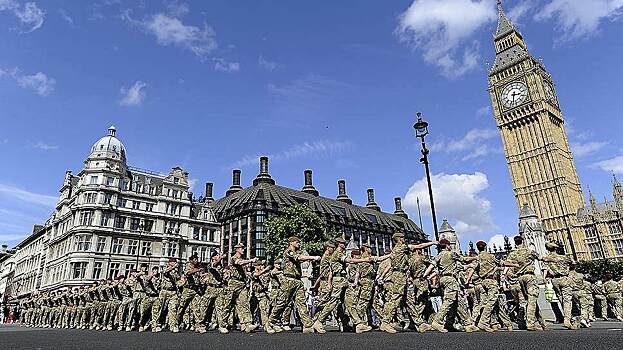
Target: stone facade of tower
531 124
448 232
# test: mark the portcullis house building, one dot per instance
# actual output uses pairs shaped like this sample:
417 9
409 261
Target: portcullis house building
242 213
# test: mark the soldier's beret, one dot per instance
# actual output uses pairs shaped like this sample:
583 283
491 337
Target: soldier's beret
366 245
355 252
239 245
481 244
259 263
172 259
329 244
444 242
339 240
398 235
294 239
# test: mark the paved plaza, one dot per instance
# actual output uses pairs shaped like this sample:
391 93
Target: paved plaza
603 335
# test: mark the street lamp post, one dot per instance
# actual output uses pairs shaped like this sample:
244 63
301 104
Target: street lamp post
138 248
421 130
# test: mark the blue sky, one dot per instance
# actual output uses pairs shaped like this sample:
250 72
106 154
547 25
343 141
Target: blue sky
330 86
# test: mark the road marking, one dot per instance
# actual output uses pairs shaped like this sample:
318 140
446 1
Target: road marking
615 329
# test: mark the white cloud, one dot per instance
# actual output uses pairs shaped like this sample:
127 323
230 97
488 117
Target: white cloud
29 14
38 82
498 240
585 149
442 30
472 145
268 65
576 19
318 149
222 65
458 197
611 165
66 17
171 31
27 196
191 183
134 95
44 146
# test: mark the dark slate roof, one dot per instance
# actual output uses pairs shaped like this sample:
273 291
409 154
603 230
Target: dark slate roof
504 24
508 57
283 197
600 209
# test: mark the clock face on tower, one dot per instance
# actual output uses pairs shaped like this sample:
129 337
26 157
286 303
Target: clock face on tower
514 94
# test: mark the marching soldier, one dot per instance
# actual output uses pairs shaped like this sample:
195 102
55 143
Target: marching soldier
168 298
558 269
291 288
237 292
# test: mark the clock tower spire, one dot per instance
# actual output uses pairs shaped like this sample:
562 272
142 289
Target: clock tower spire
527 113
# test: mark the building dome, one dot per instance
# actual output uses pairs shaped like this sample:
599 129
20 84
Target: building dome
109 145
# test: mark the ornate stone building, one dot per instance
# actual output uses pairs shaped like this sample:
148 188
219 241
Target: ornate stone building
243 212
531 124
602 224
112 218
446 231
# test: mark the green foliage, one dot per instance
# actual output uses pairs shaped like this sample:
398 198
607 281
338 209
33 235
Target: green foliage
598 268
298 220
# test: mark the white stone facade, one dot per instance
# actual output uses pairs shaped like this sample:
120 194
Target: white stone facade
112 218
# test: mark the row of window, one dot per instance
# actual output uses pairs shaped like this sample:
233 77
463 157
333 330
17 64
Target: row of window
83 243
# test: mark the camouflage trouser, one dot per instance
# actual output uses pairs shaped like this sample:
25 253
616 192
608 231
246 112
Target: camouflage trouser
603 305
78 316
134 308
238 299
489 297
477 299
530 292
111 312
287 313
168 299
146 308
450 287
587 304
291 290
395 293
263 306
614 300
564 292
122 319
86 315
503 314
351 300
186 301
333 299
363 301
416 301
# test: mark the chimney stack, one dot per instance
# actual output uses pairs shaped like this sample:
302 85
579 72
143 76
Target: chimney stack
263 176
235 183
309 184
371 204
208 192
341 192
399 211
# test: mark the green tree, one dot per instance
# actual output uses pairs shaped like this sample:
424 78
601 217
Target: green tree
298 220
598 268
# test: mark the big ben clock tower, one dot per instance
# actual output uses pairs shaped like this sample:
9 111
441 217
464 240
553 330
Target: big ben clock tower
529 118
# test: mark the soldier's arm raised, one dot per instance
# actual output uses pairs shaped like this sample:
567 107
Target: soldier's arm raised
303 258
422 245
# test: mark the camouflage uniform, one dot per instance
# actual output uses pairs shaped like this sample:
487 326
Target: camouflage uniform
598 294
447 267
558 268
260 292
338 285
365 289
417 299
189 293
124 319
487 267
529 290
576 280
613 296
396 283
291 289
168 298
238 294
138 293
151 288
